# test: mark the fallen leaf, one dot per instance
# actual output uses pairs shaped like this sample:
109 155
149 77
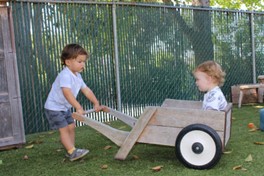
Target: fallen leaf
30 142
259 143
243 169
59 150
249 158
157 168
107 147
1 162
237 167
228 152
29 146
135 157
253 129
105 166
25 157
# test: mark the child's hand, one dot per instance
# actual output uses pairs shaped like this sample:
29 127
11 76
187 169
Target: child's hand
80 111
97 108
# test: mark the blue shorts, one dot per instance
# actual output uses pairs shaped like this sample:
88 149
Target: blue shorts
59 119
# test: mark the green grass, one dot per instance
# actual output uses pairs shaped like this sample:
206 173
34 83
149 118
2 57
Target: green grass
46 157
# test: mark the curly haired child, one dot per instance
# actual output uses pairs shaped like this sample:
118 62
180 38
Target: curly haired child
209 78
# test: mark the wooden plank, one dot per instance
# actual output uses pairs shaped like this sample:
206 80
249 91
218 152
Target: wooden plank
18 122
6 129
135 133
249 86
4 97
8 38
115 135
228 124
12 120
12 77
182 104
131 121
6 147
180 118
228 107
159 135
167 136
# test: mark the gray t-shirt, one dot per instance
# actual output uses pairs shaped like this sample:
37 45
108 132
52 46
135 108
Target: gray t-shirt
214 100
56 100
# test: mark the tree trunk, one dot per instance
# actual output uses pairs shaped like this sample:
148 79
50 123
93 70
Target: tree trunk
200 32
201 37
202 3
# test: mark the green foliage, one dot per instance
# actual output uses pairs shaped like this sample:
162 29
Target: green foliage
234 4
256 5
238 4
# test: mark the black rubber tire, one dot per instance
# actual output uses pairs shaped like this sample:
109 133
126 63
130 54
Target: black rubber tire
198 146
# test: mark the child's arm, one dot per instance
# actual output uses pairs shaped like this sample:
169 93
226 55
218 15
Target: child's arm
90 95
72 100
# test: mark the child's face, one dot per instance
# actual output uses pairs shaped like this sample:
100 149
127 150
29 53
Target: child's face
203 81
77 64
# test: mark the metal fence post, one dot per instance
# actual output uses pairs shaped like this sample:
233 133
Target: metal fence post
118 92
253 46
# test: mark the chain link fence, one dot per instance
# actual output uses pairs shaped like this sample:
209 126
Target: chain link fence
140 54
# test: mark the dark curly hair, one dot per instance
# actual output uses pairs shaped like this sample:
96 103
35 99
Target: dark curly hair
72 51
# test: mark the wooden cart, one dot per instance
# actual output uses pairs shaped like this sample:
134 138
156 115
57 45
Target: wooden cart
199 136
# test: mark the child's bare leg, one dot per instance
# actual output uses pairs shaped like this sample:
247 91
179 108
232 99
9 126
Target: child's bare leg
72 132
65 137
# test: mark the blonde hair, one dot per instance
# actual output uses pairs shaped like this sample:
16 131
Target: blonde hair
212 69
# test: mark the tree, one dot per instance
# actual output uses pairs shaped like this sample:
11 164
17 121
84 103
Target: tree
202 3
199 33
238 4
234 4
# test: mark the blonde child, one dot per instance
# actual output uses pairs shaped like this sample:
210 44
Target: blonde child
62 98
209 78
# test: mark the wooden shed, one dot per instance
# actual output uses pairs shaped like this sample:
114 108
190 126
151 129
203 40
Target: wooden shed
11 119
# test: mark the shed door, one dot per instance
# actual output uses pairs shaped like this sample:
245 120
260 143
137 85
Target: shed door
5 111
11 119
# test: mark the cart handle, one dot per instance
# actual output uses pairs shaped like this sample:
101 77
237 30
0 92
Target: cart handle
104 108
89 111
131 121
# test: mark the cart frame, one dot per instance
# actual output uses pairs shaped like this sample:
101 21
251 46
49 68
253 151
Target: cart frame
161 125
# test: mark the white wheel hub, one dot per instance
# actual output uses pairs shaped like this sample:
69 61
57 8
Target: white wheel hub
198 147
